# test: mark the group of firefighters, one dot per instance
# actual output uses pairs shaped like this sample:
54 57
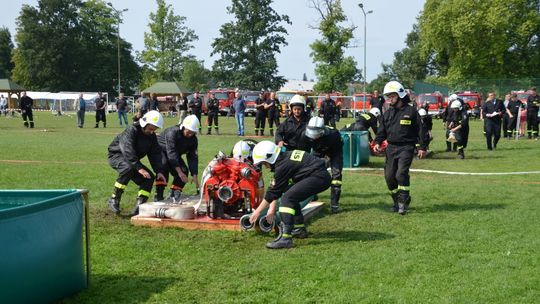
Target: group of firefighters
298 173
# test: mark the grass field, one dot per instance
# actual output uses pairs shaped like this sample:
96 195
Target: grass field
468 238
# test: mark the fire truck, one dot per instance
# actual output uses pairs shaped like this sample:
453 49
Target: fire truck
225 97
339 99
473 100
436 103
250 97
286 95
361 102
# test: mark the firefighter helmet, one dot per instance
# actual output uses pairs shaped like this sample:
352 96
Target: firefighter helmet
297 100
452 97
455 104
265 151
242 150
152 117
191 122
375 111
394 87
315 128
422 112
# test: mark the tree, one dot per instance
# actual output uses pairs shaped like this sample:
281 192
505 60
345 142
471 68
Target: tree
166 44
6 48
332 68
408 63
194 76
248 45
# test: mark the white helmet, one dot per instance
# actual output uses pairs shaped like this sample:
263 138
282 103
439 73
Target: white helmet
297 100
191 122
241 151
375 111
265 151
152 117
394 87
455 104
452 97
315 128
422 112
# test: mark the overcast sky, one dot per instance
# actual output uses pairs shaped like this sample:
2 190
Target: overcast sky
387 28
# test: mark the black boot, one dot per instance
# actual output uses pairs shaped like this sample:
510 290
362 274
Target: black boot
299 229
31 124
262 133
257 133
175 195
26 124
404 199
394 199
284 240
461 154
140 200
159 193
114 201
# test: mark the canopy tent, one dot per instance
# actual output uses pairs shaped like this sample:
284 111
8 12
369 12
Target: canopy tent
171 90
10 87
61 101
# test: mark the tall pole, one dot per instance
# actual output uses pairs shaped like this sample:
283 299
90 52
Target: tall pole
361 5
118 13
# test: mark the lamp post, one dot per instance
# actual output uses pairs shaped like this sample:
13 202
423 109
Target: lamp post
118 13
361 5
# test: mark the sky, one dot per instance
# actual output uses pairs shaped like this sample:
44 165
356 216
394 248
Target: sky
387 27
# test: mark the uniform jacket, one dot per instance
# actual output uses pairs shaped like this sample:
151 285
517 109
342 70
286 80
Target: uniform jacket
274 105
133 144
490 107
291 132
293 165
213 105
514 105
174 144
363 122
26 103
400 126
260 109
330 144
196 106
533 102
328 108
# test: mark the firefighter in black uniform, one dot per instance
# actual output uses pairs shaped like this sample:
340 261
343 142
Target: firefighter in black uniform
125 154
309 175
533 102
327 143
492 111
310 105
213 113
365 121
465 130
274 108
26 110
195 106
513 113
426 126
260 116
400 126
176 141
328 111
100 107
457 127
291 131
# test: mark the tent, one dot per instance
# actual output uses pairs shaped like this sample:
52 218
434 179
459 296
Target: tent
10 87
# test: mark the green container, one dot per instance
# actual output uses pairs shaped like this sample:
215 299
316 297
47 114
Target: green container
355 148
41 245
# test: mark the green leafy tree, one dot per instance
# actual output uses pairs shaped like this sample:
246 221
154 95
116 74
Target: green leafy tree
6 48
194 76
248 45
166 44
408 63
333 69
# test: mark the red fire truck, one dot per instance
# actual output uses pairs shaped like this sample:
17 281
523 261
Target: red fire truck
474 101
436 103
225 97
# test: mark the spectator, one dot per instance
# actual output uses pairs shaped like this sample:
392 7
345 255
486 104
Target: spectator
377 101
328 111
492 111
506 117
144 105
26 105
3 105
80 107
239 107
154 104
121 109
181 106
100 106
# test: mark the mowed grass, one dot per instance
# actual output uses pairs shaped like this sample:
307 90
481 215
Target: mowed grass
468 238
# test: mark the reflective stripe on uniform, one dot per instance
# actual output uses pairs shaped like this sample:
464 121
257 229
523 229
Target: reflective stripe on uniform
299 225
336 182
405 188
143 193
394 191
119 186
405 122
366 116
286 235
287 210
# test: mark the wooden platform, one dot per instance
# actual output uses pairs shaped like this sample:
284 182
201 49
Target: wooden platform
206 223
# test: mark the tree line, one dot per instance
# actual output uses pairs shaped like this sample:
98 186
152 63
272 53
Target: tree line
72 45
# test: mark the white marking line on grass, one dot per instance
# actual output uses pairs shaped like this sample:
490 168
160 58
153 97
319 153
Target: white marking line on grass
448 172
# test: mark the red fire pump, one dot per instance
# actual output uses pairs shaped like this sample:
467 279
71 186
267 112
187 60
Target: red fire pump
232 189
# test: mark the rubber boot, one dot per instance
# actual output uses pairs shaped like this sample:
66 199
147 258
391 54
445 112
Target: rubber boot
284 240
31 124
159 193
262 132
26 124
403 200
299 229
257 133
394 199
335 193
114 201
140 200
461 154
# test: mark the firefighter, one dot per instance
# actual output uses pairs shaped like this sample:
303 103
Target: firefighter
464 132
400 126
290 132
327 143
274 108
533 102
100 106
309 105
513 111
492 111
213 113
328 111
195 106
260 116
174 142
309 175
243 150
457 127
125 154
426 125
365 121
26 105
